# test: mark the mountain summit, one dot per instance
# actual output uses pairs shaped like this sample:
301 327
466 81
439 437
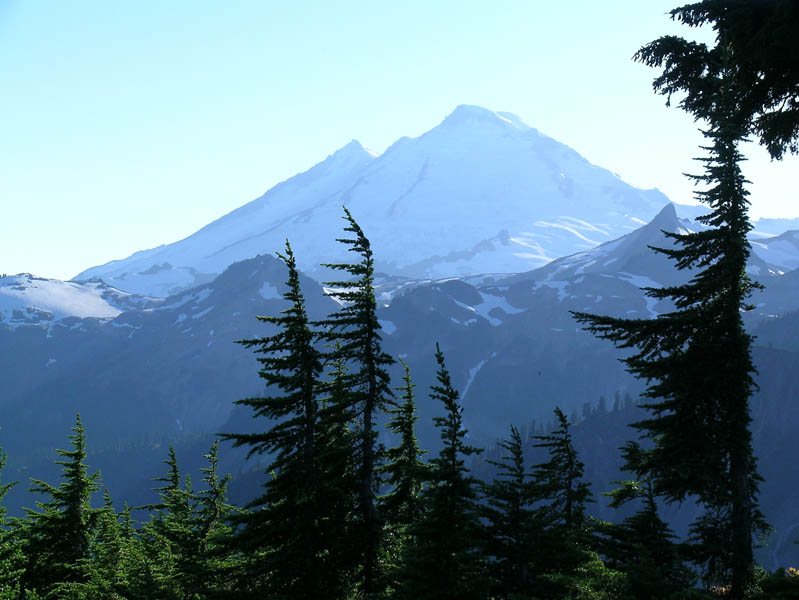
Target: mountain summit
473 117
481 192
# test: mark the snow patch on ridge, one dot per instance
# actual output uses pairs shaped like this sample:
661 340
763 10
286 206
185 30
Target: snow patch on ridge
472 374
559 285
489 303
640 282
27 300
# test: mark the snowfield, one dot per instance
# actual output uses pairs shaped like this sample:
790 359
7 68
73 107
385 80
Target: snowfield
26 299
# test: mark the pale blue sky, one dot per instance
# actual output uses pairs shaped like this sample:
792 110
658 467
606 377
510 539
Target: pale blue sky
124 125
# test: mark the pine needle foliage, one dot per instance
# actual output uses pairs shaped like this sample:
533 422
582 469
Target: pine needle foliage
697 358
105 568
560 497
559 481
356 330
11 565
57 534
291 364
168 539
512 528
643 546
756 38
444 560
338 480
295 559
404 474
217 561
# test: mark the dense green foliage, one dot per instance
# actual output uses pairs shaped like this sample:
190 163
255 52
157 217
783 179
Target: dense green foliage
756 45
643 546
57 534
697 359
356 331
443 558
565 562
288 527
698 363
405 474
10 551
512 528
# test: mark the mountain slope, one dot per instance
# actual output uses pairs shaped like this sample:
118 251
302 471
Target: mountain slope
258 227
481 192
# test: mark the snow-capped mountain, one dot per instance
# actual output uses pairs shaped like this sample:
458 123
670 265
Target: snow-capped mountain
481 192
630 259
26 300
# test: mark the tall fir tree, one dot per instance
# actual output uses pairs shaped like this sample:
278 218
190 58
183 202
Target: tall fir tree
217 562
188 542
643 546
512 528
338 479
404 474
697 359
444 560
11 558
560 495
559 481
168 538
295 561
57 534
357 330
141 565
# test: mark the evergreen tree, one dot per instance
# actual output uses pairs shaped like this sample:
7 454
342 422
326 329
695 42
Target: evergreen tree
104 569
140 565
168 539
405 471
11 559
217 561
294 560
561 496
698 363
338 480
642 546
444 560
356 328
758 39
338 475
404 474
512 527
187 544
57 536
559 480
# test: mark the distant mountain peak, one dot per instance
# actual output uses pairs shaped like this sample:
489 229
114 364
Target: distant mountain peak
666 219
352 151
354 147
468 115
